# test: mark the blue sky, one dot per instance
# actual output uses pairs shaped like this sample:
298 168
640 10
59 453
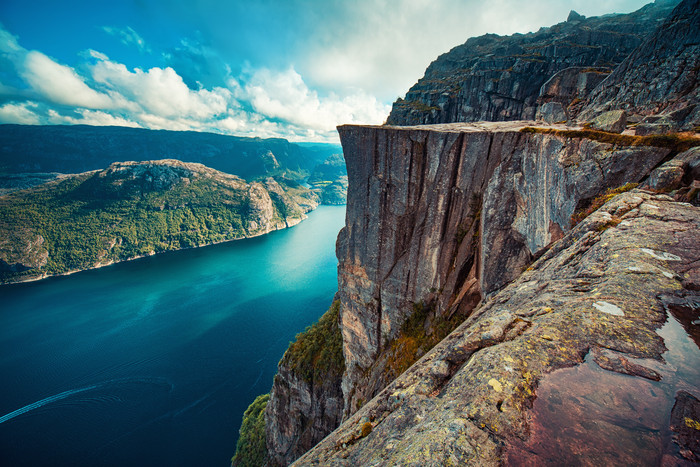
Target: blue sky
285 68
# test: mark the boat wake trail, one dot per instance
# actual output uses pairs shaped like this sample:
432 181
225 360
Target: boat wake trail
71 392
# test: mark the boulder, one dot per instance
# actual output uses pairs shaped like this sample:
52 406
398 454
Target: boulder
613 121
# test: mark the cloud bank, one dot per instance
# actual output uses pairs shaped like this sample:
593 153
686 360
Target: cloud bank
295 69
261 102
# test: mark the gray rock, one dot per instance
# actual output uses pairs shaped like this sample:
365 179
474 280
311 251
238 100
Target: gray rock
645 129
613 121
484 411
498 78
660 77
552 112
457 208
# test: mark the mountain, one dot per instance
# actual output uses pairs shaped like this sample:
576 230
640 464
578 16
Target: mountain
133 209
331 180
501 78
80 148
518 292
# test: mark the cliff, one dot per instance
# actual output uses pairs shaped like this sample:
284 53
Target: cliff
492 244
438 218
444 215
586 356
500 78
133 209
659 81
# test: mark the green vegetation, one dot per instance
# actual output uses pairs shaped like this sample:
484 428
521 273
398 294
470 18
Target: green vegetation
597 202
417 336
251 449
126 211
676 142
317 353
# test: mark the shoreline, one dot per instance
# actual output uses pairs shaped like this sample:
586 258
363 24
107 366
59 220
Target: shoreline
288 223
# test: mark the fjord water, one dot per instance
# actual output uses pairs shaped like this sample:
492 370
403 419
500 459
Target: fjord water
153 361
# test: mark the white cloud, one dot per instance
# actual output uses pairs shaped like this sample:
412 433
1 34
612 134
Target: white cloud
19 113
89 117
384 47
160 91
59 83
285 96
128 37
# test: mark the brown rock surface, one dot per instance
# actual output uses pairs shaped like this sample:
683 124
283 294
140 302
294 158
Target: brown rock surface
488 389
444 214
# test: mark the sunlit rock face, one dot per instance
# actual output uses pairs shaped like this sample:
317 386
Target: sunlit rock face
589 354
446 214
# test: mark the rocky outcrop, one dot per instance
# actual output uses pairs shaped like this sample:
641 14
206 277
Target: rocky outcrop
306 401
446 214
578 358
660 78
487 227
498 78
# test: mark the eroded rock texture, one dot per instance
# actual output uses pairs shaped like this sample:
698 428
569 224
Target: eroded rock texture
498 78
596 292
446 214
660 78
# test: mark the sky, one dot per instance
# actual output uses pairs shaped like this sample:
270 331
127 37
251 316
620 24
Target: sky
269 68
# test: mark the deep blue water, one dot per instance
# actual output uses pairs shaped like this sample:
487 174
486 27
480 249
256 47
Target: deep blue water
153 361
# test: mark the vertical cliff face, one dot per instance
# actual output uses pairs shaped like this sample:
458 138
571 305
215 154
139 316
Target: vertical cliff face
445 214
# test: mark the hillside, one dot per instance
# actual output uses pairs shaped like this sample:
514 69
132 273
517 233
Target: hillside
80 148
133 209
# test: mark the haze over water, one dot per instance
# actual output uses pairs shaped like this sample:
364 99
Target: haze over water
153 362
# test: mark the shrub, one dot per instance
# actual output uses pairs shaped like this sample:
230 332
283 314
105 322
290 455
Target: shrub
251 449
317 353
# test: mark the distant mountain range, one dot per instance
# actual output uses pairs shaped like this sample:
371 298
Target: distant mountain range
80 148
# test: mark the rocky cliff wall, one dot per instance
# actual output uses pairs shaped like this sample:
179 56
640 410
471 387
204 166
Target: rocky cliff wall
661 76
443 215
610 306
500 78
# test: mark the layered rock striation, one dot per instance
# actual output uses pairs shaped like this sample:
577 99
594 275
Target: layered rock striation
447 214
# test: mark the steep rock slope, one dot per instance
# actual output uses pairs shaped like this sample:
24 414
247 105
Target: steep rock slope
438 217
306 397
661 76
612 297
132 209
443 215
498 78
